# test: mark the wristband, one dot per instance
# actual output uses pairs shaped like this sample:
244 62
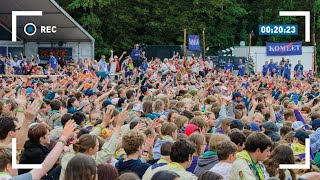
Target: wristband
20 111
62 141
101 128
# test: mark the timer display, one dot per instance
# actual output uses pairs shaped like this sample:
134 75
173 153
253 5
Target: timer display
286 29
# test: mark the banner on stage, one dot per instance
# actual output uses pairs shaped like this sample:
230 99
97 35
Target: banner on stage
284 49
194 42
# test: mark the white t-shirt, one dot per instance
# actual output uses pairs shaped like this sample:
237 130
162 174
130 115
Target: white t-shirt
25 176
222 168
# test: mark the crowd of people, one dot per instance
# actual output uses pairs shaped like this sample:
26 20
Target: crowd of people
161 119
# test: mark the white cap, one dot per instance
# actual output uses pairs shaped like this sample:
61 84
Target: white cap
224 88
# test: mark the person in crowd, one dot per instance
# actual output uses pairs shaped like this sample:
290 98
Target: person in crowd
226 151
128 176
271 66
298 145
102 64
181 157
35 149
265 69
200 143
237 137
251 66
282 65
210 175
107 171
53 63
228 66
287 70
241 68
298 68
85 168
247 165
132 143
136 56
282 154
169 175
73 105
169 133
208 159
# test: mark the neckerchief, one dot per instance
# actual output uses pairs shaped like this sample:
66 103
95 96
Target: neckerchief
258 171
209 153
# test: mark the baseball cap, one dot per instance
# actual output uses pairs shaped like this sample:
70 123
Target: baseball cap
301 135
191 128
254 127
144 89
216 82
236 94
137 107
106 103
114 101
192 88
270 126
297 125
310 96
29 91
236 123
83 104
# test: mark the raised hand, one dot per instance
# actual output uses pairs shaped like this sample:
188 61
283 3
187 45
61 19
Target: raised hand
269 100
119 119
21 98
107 116
140 127
68 129
31 111
254 101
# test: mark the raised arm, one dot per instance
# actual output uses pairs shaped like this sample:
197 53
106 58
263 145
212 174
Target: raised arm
102 97
109 147
269 101
111 51
38 60
25 117
124 52
21 54
253 108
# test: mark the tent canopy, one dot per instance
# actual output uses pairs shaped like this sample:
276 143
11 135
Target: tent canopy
52 15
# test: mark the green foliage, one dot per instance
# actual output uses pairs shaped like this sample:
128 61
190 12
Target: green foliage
118 24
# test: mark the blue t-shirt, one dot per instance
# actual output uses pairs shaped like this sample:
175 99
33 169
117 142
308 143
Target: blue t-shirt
135 54
265 69
228 66
287 68
53 62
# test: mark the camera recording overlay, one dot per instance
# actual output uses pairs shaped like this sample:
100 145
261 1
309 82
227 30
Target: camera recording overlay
153 90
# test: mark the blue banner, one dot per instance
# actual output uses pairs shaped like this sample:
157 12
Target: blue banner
194 42
284 49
